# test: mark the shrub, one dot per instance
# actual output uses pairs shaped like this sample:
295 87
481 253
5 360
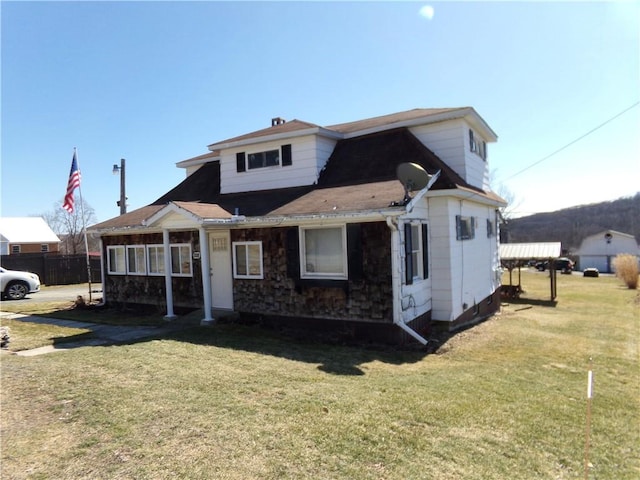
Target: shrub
626 268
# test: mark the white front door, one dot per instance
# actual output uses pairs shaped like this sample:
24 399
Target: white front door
221 270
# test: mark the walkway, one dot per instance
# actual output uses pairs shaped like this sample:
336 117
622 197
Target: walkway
100 334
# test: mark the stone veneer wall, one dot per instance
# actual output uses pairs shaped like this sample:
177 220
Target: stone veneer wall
369 299
150 290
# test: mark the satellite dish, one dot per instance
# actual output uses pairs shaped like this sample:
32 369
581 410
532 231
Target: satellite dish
413 177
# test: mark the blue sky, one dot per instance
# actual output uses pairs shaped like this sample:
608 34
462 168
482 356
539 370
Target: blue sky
156 82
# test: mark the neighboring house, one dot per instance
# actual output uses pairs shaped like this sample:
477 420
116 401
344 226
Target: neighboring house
599 250
27 235
300 222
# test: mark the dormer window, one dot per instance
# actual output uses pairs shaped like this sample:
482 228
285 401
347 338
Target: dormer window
267 158
270 158
477 146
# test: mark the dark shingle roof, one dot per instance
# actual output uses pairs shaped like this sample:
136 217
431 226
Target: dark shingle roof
360 175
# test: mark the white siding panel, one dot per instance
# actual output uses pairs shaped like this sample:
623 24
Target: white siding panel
303 171
464 271
450 142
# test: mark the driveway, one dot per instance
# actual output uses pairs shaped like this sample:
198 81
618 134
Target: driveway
61 293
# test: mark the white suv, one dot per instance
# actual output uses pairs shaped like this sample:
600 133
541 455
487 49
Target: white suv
15 285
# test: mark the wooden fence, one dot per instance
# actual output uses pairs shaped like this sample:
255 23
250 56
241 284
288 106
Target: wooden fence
55 269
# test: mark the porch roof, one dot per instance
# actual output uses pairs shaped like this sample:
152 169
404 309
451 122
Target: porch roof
530 251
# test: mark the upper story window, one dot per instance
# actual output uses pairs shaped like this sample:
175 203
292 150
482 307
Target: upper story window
15 248
44 248
268 158
477 145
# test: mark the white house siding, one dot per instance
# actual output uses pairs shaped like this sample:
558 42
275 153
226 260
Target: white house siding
464 272
307 154
450 141
416 298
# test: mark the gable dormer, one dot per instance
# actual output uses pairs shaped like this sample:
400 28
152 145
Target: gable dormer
292 154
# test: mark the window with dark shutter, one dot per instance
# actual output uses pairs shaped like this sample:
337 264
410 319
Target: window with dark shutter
286 155
241 164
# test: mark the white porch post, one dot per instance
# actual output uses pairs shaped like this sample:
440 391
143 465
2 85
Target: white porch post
167 275
206 277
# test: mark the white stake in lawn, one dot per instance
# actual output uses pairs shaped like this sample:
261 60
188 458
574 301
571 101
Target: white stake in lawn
587 465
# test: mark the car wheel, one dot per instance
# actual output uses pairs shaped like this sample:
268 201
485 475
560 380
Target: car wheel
16 290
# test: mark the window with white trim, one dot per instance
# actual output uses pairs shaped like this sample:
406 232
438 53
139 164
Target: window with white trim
416 251
247 260
181 260
15 248
323 252
44 248
116 260
268 158
155 259
136 260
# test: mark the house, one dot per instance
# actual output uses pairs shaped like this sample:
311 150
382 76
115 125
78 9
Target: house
598 250
27 235
303 223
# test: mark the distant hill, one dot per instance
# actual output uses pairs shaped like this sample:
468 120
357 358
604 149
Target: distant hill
571 225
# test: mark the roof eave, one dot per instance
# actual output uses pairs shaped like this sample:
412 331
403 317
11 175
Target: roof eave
277 136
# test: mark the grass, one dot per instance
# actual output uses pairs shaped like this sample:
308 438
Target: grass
505 399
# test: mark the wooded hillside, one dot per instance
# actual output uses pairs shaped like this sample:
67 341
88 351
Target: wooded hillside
571 225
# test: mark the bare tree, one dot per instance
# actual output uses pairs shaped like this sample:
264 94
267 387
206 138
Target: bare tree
68 226
501 189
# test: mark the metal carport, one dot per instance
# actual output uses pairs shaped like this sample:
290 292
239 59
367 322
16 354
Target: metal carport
514 255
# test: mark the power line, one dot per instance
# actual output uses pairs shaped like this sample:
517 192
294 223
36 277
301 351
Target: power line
574 141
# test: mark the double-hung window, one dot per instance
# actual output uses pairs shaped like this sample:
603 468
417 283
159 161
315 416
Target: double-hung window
416 252
247 260
116 260
155 258
136 261
323 252
181 260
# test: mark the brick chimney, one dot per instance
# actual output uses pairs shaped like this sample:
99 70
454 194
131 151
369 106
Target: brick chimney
277 121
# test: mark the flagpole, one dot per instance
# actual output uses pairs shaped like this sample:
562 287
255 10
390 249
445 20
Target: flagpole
84 230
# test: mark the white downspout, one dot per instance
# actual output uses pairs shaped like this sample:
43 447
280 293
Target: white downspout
206 277
396 282
167 275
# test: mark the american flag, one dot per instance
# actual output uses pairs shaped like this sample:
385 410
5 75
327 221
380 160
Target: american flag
72 184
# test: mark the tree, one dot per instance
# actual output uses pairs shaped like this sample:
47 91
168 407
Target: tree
69 226
501 189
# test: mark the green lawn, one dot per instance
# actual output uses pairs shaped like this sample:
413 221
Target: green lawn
503 400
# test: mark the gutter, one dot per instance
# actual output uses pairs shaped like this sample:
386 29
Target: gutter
396 282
